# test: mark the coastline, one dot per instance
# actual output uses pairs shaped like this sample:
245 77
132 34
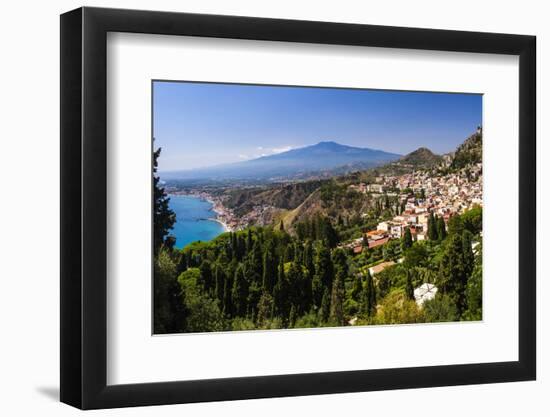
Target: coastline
223 215
220 211
224 225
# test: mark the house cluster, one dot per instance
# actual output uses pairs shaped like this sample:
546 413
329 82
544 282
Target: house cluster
368 188
260 215
443 195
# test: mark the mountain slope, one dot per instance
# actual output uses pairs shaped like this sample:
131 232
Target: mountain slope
421 158
287 196
324 156
469 152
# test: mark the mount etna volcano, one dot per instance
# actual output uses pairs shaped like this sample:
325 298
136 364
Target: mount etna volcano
322 158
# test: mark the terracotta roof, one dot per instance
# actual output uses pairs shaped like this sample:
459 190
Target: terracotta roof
375 243
376 232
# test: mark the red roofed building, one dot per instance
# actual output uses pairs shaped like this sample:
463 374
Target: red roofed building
378 242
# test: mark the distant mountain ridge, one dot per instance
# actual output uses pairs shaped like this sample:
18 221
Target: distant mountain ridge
318 158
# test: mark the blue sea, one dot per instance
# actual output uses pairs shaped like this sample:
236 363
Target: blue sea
193 220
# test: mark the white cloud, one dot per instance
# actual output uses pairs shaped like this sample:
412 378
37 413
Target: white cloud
265 152
282 149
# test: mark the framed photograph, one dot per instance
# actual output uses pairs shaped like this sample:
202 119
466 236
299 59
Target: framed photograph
258 208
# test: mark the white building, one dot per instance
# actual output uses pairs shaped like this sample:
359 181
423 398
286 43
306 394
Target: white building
396 230
382 226
424 293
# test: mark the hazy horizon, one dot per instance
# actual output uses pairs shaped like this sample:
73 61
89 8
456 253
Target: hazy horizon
265 155
228 123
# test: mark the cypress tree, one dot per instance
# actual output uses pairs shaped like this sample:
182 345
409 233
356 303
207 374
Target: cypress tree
206 277
226 253
308 229
239 293
340 262
409 288
233 245
269 268
227 296
452 275
407 239
369 296
292 317
248 241
307 278
324 273
328 233
219 277
254 264
164 217
337 300
467 252
318 228
181 263
280 292
441 231
324 312
357 289
474 290
308 259
298 252
252 300
295 286
432 228
241 239
265 309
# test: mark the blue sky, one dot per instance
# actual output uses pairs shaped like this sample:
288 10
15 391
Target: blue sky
201 124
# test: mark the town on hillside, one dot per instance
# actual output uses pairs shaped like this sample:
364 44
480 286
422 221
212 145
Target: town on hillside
421 195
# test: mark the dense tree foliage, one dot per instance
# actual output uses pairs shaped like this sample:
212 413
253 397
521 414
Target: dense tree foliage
441 308
268 277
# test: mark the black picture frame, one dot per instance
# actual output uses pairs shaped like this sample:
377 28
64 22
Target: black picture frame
84 207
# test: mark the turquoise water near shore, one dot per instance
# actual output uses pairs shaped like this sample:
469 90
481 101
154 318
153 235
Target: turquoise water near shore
193 220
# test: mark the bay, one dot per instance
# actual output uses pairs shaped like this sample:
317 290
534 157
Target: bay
193 220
